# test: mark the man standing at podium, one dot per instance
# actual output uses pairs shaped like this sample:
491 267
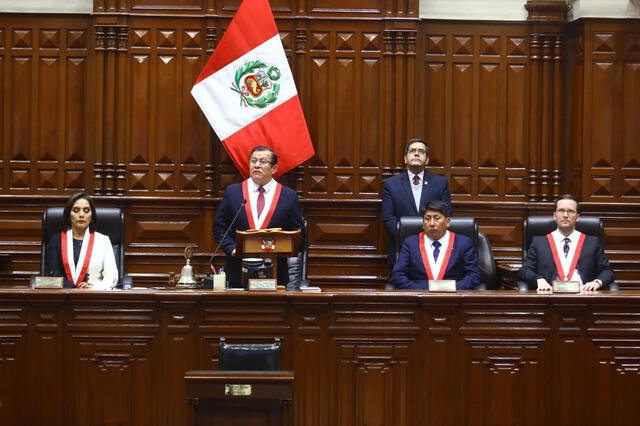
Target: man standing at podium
407 193
259 202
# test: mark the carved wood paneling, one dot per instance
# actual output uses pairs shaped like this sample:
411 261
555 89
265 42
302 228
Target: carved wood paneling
101 102
475 118
13 356
393 358
46 120
605 134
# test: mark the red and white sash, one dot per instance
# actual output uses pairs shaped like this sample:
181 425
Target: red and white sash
562 274
76 273
435 270
249 212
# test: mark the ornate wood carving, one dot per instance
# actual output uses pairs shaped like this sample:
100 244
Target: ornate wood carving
360 357
101 103
546 100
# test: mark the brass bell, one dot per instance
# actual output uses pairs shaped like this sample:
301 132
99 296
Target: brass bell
187 280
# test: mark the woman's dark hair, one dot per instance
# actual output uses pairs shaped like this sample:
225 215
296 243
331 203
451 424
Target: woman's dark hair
66 214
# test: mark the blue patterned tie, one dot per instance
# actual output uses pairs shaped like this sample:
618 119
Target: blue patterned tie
565 249
436 249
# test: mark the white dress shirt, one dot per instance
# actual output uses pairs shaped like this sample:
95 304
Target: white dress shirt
269 191
558 238
436 265
416 189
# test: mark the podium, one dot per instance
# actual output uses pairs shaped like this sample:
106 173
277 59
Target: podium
268 243
247 398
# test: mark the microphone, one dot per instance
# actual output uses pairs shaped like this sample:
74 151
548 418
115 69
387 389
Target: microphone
225 234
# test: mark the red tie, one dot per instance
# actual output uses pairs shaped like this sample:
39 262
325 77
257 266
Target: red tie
260 200
416 180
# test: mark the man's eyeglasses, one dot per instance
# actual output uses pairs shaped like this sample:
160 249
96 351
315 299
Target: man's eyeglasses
261 161
565 211
418 150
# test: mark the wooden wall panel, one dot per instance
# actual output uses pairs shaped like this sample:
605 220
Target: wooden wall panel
170 146
375 358
45 117
101 102
347 100
604 132
476 90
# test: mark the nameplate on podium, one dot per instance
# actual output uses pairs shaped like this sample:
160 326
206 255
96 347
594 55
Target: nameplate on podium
263 284
47 282
442 285
566 286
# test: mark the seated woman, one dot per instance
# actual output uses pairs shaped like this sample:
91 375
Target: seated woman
78 253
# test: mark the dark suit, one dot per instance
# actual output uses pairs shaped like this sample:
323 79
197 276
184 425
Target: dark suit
592 263
409 271
397 201
286 216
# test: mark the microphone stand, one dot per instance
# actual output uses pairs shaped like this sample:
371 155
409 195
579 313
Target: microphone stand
208 280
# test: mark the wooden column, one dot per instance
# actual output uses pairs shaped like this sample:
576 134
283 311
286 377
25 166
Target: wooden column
399 95
546 102
111 38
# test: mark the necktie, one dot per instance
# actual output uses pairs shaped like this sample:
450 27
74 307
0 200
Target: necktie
436 249
565 249
260 200
416 180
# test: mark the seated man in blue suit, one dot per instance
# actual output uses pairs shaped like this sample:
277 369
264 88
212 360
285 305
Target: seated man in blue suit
268 205
566 254
436 254
407 193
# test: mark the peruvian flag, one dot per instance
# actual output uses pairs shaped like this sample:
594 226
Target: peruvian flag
248 94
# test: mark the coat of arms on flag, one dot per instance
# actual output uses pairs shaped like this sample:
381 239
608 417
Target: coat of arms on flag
257 89
250 64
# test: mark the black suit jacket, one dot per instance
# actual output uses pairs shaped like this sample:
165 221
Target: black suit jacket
397 201
286 216
592 263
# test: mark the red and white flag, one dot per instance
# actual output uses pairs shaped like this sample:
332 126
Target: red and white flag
248 94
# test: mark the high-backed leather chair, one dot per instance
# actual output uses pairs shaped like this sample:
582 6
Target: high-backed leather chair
297 265
249 356
542 225
110 223
409 225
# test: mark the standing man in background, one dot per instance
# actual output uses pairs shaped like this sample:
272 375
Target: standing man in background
407 193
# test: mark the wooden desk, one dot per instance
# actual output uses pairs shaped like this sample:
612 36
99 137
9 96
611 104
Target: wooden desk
240 397
73 357
508 275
